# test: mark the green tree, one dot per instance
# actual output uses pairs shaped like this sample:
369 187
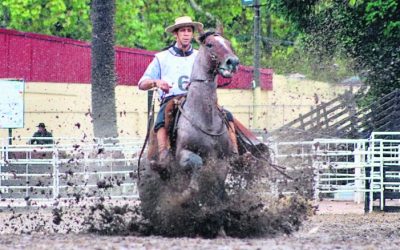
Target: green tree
54 17
141 24
364 33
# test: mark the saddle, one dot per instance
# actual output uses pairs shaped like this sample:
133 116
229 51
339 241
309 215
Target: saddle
247 141
171 120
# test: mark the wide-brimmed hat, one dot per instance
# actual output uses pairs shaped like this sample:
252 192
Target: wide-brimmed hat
182 22
41 125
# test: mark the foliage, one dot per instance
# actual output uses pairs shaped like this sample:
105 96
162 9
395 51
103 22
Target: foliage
141 23
320 38
366 33
66 18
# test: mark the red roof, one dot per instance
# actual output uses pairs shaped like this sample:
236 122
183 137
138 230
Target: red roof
43 58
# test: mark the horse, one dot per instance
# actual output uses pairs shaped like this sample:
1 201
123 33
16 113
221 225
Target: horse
202 140
202 131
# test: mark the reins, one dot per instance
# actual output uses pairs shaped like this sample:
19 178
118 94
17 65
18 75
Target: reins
149 126
278 168
199 127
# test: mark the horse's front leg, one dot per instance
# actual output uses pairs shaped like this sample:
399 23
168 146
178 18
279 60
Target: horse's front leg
190 161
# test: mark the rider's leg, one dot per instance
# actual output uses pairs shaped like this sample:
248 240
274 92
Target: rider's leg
232 132
233 138
164 155
163 145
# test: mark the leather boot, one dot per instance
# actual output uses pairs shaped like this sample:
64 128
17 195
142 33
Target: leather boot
232 137
164 155
163 145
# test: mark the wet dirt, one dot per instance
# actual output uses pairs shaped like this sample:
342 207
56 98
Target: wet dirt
249 216
234 198
323 231
239 207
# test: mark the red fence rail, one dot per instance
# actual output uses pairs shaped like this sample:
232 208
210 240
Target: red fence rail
43 58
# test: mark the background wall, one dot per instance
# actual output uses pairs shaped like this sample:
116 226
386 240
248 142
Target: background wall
65 108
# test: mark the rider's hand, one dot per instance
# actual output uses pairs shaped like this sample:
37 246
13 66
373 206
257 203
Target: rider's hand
163 85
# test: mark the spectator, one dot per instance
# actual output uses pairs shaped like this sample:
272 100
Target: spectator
41 133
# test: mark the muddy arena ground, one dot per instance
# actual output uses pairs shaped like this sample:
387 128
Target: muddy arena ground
336 225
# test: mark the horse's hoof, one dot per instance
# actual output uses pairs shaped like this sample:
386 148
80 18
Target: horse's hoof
183 198
221 233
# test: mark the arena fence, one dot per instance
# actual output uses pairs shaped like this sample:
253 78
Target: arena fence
349 169
363 170
69 168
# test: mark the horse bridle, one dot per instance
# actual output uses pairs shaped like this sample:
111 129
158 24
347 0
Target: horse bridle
214 58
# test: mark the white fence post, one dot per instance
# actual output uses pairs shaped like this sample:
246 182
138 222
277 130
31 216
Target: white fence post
358 176
316 168
55 162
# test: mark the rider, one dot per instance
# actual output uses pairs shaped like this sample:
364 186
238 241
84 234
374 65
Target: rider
170 72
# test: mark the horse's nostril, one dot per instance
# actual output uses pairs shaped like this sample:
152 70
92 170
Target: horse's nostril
232 62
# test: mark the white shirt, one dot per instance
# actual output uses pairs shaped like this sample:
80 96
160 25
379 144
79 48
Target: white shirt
172 68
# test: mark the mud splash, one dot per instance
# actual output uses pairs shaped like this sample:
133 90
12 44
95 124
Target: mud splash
242 206
239 201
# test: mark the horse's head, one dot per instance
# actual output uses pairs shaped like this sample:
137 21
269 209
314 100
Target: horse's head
219 52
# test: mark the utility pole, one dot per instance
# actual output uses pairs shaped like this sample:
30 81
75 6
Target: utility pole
256 61
257 32
256 67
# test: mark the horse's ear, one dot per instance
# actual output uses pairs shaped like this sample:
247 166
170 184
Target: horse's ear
220 28
200 30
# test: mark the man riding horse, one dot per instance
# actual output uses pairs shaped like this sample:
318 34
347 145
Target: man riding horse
170 73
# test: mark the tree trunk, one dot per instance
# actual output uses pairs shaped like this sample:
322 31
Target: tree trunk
103 70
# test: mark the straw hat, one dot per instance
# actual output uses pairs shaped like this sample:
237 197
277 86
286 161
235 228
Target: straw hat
182 22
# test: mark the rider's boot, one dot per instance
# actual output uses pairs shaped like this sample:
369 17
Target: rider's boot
233 138
164 155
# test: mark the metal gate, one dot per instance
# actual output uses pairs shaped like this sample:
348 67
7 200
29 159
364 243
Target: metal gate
64 170
357 169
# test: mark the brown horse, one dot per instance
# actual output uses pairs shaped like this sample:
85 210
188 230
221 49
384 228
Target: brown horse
202 132
192 199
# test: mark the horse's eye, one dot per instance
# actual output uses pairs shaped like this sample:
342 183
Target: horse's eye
209 45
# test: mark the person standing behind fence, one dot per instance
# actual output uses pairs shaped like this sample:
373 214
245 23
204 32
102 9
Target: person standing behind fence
42 136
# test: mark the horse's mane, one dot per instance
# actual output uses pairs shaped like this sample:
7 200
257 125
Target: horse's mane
203 36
